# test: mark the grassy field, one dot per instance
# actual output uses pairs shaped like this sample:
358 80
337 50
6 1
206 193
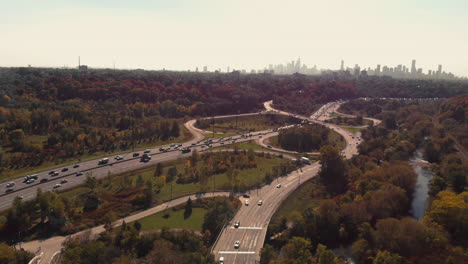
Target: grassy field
299 200
349 121
12 174
333 137
245 123
250 145
335 114
175 220
249 177
352 129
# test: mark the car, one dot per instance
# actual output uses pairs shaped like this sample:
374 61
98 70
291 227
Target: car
162 149
237 224
63 181
55 174
269 146
147 151
222 143
64 169
221 260
58 185
9 190
118 157
246 202
203 146
10 184
43 180
237 244
30 181
246 195
76 166
51 172
136 154
172 145
260 203
79 173
278 186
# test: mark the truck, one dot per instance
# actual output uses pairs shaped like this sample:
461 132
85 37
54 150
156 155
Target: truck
103 161
305 160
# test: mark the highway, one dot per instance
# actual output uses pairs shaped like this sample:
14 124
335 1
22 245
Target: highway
254 218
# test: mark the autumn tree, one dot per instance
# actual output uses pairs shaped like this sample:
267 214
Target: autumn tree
332 171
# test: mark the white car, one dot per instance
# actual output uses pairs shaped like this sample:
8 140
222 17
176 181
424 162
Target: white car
246 202
237 244
79 173
10 184
260 203
118 157
237 224
278 186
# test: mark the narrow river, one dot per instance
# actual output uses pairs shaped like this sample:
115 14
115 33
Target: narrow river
421 191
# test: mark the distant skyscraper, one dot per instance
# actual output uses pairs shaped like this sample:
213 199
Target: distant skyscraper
439 70
205 68
377 70
342 65
413 67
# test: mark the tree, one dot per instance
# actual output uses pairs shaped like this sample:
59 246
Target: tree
385 257
140 181
16 138
91 182
267 254
7 254
324 255
220 212
175 130
188 208
332 172
298 249
158 171
171 173
194 158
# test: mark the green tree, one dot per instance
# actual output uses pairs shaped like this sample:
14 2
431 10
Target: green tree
298 249
171 173
332 171
175 130
188 209
158 171
267 254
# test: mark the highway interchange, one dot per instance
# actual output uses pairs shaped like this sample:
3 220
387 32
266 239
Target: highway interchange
253 218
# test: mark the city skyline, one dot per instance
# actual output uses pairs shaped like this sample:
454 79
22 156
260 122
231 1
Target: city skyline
185 34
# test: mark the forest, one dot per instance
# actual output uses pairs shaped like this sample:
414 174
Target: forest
308 138
364 204
51 116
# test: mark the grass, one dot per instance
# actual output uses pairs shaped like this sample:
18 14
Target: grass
299 200
352 129
349 121
334 138
175 220
250 145
7 175
335 114
249 177
247 123
217 135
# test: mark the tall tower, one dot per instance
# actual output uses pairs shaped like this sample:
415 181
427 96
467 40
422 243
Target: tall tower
413 67
342 65
79 62
439 70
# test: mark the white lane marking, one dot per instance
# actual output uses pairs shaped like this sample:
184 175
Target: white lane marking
247 227
236 252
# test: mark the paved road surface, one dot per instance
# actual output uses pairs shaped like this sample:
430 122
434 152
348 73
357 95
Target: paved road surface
254 219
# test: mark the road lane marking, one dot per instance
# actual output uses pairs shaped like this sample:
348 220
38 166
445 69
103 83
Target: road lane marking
236 252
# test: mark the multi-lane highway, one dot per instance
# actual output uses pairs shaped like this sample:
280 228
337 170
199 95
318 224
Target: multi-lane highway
253 219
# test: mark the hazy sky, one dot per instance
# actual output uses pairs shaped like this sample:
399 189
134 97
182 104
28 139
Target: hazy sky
242 34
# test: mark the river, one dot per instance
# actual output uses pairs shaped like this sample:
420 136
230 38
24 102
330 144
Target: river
421 191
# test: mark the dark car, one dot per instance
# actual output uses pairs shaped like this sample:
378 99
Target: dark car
44 180
136 154
246 196
64 169
76 166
